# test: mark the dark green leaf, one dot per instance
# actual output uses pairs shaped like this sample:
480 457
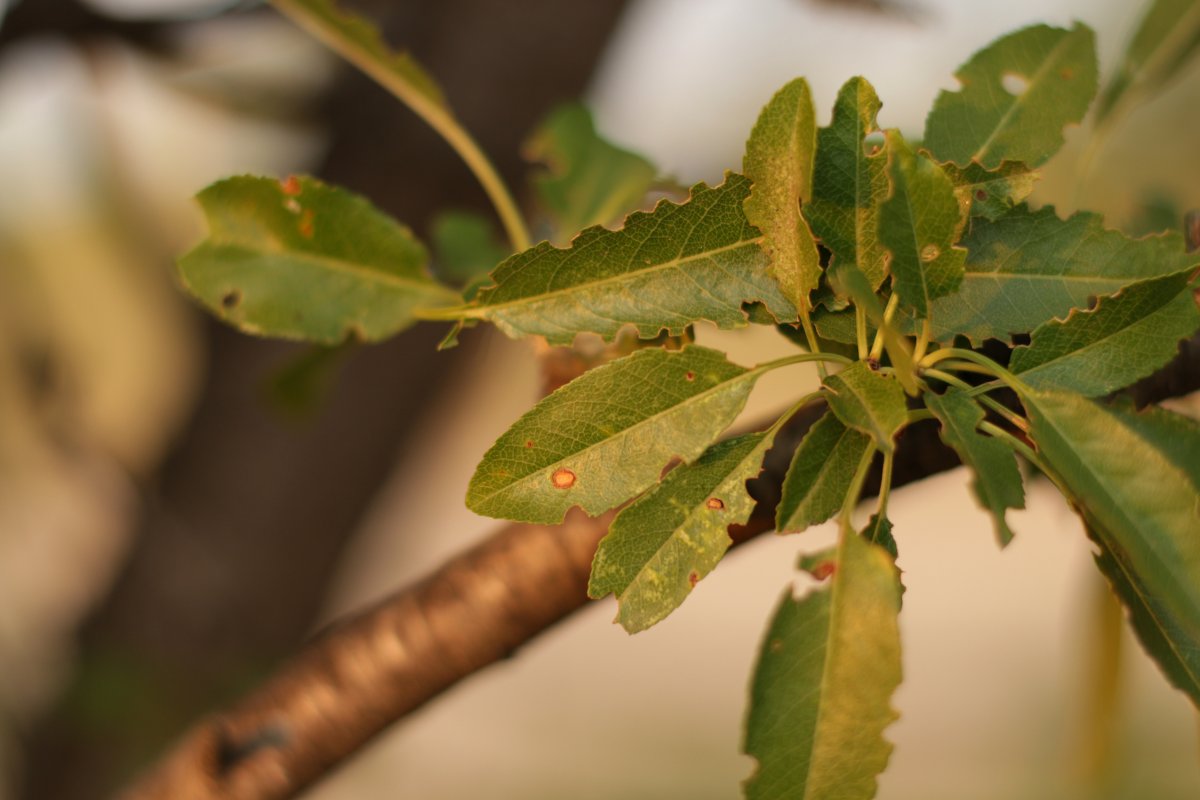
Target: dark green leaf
665 270
986 123
659 548
779 161
1029 267
301 260
879 531
821 695
919 223
465 246
995 477
1144 510
1177 437
848 184
991 193
821 472
1165 41
1128 336
606 436
589 181
868 401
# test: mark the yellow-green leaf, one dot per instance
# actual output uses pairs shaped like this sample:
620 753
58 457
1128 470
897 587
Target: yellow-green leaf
820 474
779 162
868 401
280 260
991 193
821 695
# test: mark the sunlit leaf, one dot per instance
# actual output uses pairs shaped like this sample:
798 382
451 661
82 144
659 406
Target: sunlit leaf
919 224
279 261
1052 75
1143 508
996 480
1029 267
779 161
588 180
821 694
821 472
991 193
848 183
607 435
1127 336
658 548
664 270
1165 42
868 401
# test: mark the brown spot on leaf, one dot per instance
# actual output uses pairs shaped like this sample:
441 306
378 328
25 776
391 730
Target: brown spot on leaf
528 443
563 479
714 503
776 645
823 570
689 375
873 364
231 299
693 578
980 195
306 224
1066 73
290 186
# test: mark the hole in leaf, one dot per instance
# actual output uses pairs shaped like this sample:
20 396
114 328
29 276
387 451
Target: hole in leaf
873 143
292 205
231 299
1014 84
930 252
563 479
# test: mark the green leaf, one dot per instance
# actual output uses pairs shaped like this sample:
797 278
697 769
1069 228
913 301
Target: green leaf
779 162
996 480
986 123
991 193
879 531
465 246
1144 510
1177 437
1030 266
1165 41
919 223
1127 336
606 436
665 270
848 184
301 260
588 180
358 40
658 548
820 474
821 694
868 401
849 281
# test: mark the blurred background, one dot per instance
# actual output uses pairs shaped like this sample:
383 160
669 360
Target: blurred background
180 507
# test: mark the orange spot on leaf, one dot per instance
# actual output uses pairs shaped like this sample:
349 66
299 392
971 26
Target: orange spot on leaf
291 186
823 570
689 375
715 503
306 224
528 443
563 479
693 578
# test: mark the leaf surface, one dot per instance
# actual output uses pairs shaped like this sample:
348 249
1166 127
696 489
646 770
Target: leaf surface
606 436
301 260
664 270
779 161
820 474
919 224
849 281
821 694
465 246
1127 336
991 193
1166 39
996 480
986 123
588 180
1029 267
868 401
658 548
1143 508
848 184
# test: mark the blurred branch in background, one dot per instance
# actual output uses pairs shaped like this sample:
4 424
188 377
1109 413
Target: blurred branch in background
238 532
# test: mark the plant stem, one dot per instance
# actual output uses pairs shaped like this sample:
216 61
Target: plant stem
436 114
1016 444
810 334
1012 417
802 358
860 330
990 366
856 486
885 483
923 341
889 312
